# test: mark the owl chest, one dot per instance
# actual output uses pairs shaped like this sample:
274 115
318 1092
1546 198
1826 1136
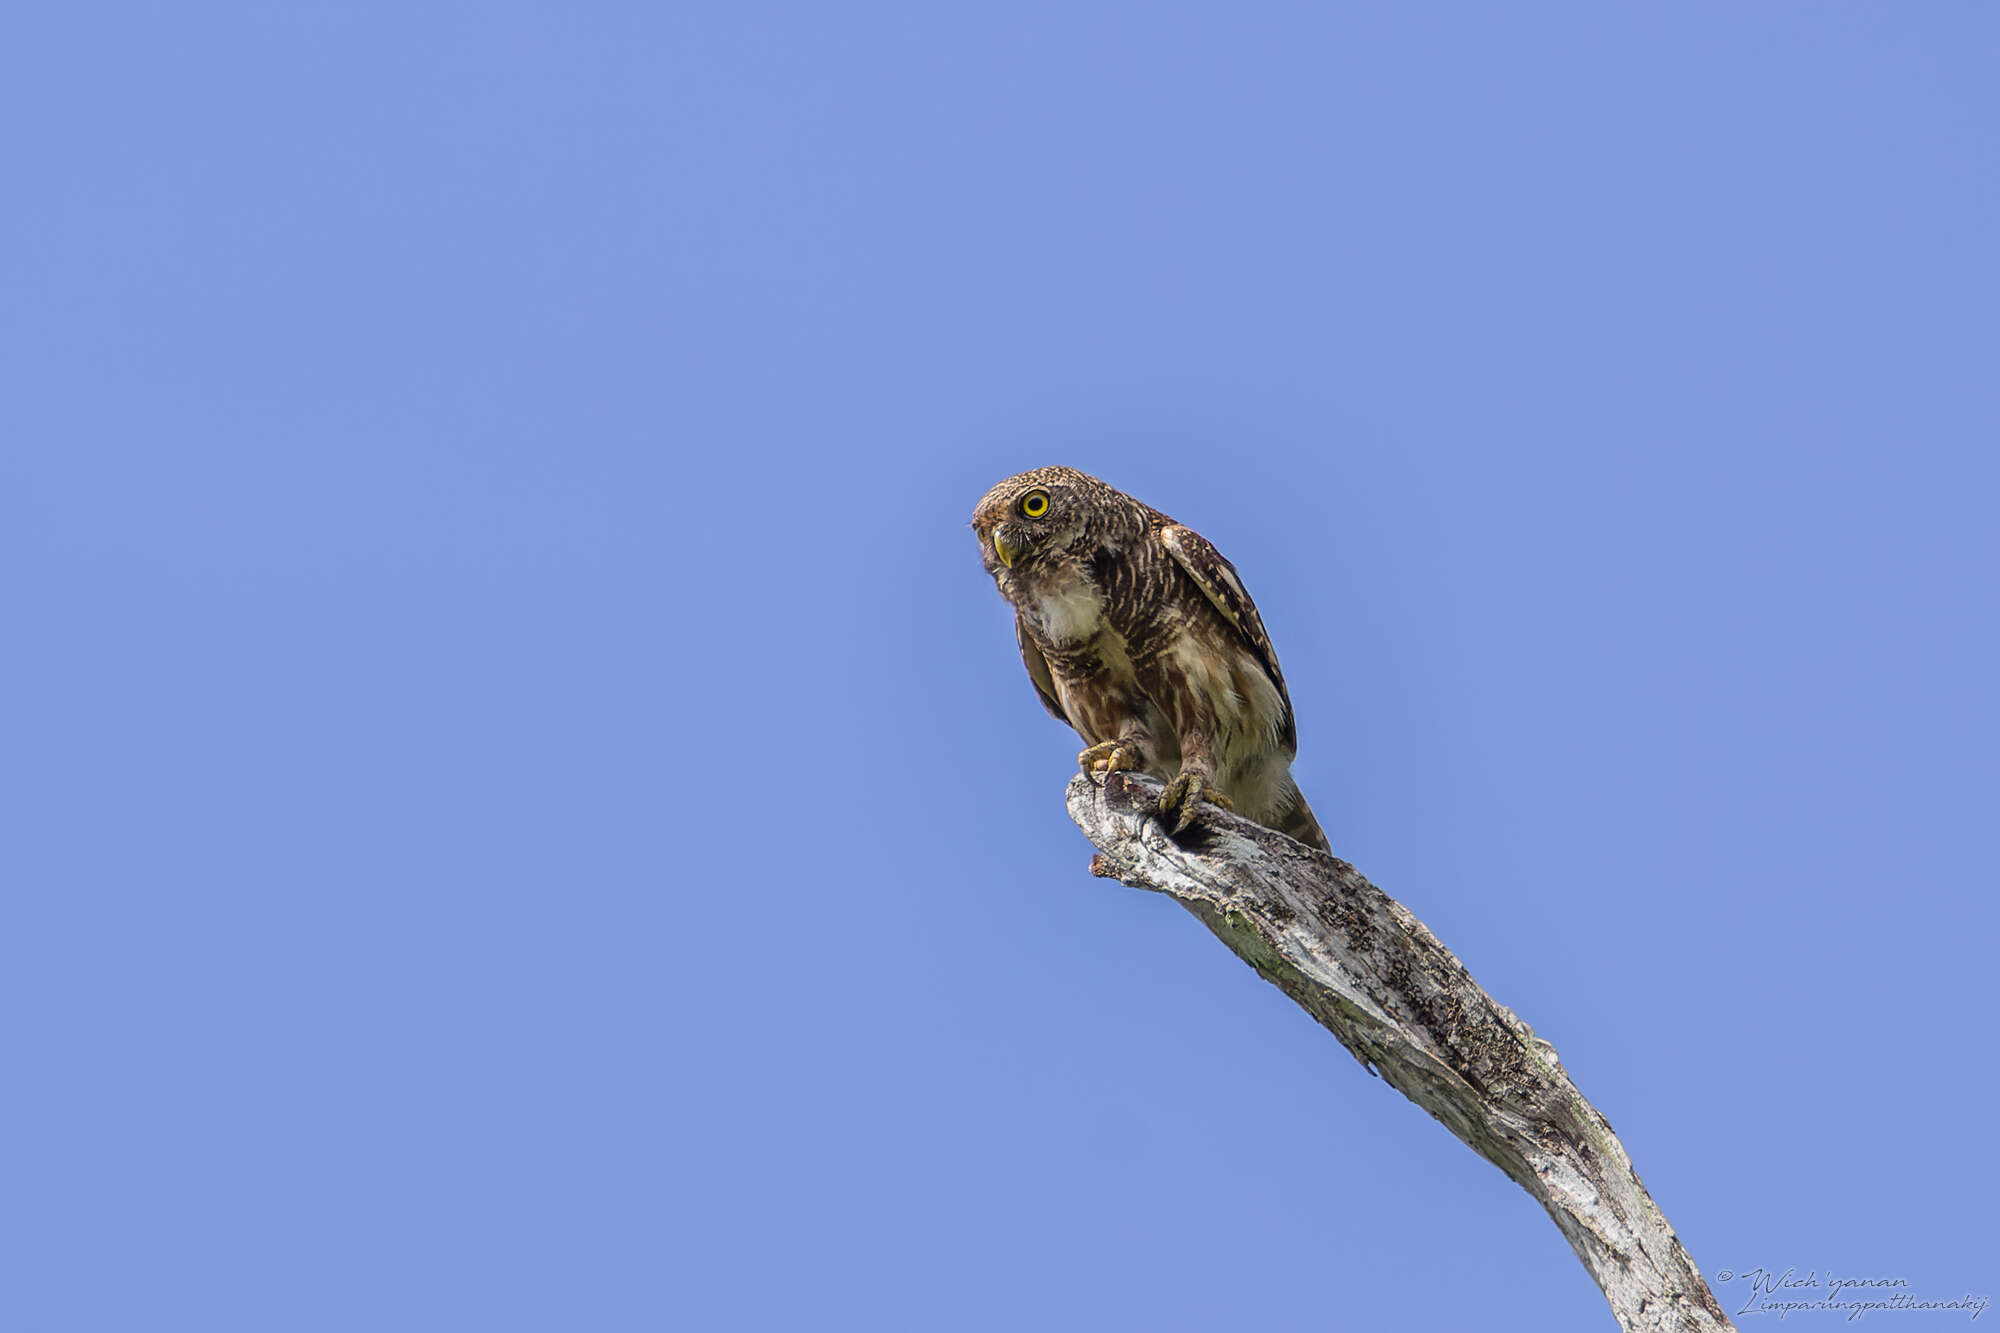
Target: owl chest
1068 615
1085 644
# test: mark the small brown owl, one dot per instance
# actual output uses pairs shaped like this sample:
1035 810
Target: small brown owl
1141 636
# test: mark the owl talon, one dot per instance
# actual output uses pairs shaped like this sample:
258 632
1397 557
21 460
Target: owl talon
1183 798
1109 757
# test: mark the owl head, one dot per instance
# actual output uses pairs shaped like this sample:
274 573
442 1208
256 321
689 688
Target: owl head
1032 516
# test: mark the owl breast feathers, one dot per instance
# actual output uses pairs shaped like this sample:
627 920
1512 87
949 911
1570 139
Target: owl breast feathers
1137 633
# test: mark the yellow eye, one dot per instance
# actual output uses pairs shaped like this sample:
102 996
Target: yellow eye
1035 503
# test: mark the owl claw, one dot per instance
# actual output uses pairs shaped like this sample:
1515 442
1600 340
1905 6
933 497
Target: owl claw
1109 757
1183 797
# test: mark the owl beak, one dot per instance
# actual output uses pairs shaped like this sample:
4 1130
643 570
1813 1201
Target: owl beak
1003 548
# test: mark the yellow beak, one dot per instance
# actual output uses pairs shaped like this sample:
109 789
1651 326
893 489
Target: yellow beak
1003 548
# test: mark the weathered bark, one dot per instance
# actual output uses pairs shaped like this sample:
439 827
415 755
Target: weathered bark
1356 960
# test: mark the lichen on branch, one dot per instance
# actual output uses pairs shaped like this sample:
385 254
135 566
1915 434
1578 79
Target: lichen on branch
1373 975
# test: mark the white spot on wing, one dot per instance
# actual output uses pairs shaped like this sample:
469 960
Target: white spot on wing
1235 584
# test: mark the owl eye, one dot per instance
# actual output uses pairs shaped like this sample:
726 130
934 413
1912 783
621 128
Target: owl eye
1035 503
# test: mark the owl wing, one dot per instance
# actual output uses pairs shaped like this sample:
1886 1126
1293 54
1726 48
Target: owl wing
1038 671
1220 583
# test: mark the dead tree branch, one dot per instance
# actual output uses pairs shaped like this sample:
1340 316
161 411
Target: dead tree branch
1375 976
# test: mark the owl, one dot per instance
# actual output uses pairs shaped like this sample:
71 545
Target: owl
1137 633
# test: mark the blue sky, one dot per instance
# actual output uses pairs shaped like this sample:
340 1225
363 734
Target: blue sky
521 806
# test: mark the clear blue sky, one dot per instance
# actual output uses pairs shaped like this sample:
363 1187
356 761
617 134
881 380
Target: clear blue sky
521 809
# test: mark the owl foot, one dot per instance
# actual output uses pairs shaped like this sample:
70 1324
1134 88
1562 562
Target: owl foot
1183 797
1110 757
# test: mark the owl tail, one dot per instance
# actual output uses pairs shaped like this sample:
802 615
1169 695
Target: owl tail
1294 819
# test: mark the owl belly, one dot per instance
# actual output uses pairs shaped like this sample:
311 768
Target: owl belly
1100 694
1211 682
1245 715
1095 682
